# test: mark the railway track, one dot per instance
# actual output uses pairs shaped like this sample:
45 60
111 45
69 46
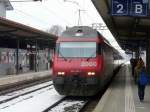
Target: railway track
68 104
21 85
44 98
64 104
12 95
77 104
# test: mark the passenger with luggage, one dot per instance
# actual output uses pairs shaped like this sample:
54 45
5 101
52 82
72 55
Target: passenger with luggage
142 78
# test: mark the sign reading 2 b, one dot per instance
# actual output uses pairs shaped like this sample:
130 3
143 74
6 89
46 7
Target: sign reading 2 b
129 7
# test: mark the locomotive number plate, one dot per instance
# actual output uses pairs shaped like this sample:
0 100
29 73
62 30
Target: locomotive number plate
88 64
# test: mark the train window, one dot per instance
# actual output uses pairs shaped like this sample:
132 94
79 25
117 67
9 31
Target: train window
77 49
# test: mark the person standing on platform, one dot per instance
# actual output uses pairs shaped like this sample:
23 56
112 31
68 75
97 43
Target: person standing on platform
140 69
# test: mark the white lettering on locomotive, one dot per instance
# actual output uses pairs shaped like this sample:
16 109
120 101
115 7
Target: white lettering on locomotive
88 64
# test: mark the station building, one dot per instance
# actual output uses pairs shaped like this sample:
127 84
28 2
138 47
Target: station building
22 48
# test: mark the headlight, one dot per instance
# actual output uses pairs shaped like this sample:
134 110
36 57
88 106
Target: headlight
91 73
61 73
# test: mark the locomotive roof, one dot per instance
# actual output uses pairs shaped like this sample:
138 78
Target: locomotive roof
83 32
80 31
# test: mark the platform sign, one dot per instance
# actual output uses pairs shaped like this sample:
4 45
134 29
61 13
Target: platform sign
139 8
119 7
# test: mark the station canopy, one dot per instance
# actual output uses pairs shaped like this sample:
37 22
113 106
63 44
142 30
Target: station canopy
130 31
11 32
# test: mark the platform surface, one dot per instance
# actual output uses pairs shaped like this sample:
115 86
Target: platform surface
12 79
122 95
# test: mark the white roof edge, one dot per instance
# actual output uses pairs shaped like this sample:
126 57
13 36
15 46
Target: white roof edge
8 5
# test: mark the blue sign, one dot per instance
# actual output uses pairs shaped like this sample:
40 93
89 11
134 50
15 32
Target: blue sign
139 8
129 7
119 7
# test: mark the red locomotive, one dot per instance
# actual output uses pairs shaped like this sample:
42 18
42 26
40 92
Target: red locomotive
83 62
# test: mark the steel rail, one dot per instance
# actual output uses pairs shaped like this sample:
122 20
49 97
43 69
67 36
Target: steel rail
69 100
28 92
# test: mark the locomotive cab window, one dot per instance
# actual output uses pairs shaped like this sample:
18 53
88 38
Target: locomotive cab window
77 49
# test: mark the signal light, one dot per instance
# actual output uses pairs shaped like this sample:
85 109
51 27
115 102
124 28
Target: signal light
91 73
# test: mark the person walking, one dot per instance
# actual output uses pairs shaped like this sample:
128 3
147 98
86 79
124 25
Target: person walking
140 70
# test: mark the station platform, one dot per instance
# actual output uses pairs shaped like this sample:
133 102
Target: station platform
10 80
122 95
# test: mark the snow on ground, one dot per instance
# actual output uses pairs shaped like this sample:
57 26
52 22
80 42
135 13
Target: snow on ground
34 102
22 91
66 106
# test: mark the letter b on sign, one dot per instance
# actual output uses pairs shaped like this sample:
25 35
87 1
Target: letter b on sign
138 8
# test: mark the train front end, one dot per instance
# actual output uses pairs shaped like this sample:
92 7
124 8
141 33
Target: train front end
76 66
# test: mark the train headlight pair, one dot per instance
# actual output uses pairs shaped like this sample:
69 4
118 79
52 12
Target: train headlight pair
91 73
61 73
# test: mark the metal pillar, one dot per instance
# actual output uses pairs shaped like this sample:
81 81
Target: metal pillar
17 57
148 56
132 55
137 54
49 56
35 62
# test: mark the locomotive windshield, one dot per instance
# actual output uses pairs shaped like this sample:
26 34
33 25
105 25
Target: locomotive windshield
77 49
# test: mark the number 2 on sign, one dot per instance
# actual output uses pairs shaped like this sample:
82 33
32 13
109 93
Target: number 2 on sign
120 8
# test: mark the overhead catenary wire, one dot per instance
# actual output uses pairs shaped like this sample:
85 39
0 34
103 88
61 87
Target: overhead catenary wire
24 0
56 15
52 12
31 16
47 10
